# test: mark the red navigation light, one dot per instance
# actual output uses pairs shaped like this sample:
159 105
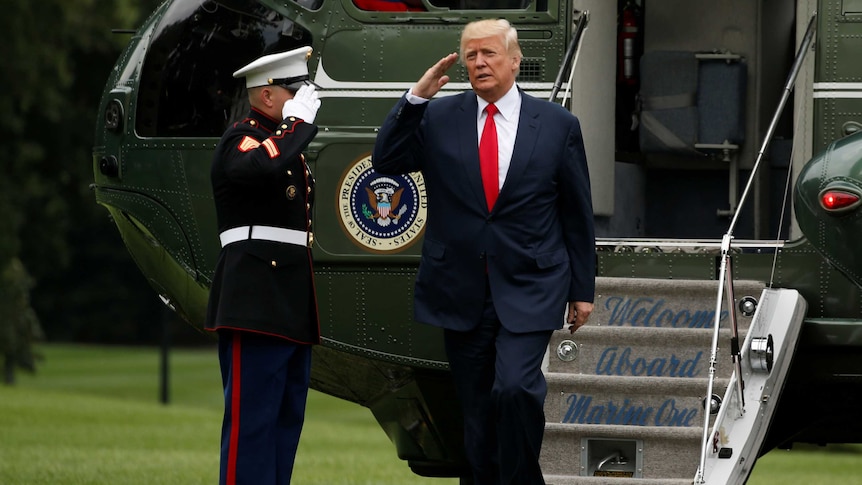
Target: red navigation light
838 200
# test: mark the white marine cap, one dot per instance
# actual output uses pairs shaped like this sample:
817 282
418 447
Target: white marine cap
288 69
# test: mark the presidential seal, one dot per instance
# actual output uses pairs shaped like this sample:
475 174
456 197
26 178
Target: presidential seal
381 213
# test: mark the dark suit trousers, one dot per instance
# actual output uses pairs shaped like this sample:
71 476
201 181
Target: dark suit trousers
265 382
501 389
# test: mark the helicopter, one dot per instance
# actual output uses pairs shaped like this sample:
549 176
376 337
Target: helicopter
678 107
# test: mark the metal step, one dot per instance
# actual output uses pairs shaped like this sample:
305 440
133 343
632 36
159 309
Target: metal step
658 453
627 401
655 303
637 352
628 390
661 416
566 480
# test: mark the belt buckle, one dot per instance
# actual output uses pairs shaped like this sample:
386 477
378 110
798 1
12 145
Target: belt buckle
310 239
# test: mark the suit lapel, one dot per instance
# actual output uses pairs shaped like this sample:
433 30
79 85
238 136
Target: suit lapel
525 142
468 140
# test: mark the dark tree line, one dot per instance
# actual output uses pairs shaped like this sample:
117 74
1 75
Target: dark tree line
64 272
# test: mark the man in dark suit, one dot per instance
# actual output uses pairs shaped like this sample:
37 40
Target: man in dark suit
262 301
508 244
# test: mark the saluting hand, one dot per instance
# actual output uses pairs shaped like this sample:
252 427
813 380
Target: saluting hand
303 105
435 77
579 313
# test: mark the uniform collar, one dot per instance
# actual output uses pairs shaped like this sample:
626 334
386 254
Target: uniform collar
262 119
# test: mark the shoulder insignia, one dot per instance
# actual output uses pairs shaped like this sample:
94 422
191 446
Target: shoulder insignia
247 144
271 148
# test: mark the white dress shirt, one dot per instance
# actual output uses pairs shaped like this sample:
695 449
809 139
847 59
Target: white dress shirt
506 119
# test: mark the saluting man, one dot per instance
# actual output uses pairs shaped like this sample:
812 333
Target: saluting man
509 246
262 301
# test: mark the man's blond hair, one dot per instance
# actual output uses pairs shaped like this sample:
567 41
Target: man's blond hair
481 29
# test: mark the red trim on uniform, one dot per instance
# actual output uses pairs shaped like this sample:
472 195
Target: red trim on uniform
291 127
271 148
314 294
265 116
235 389
247 144
310 258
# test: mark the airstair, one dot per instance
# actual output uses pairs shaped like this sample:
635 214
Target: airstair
627 393
673 381
658 389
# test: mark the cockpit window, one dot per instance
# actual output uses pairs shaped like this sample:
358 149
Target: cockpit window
187 87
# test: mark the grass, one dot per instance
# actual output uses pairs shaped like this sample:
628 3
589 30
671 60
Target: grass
810 465
91 416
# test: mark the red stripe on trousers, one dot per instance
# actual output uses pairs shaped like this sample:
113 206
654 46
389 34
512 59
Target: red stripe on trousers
234 408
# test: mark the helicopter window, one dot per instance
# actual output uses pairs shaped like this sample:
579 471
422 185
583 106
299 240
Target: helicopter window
187 87
482 4
419 6
390 5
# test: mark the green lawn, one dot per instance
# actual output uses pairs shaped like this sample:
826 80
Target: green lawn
91 416
810 465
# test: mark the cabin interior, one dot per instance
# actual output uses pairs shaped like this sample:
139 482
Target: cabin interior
698 84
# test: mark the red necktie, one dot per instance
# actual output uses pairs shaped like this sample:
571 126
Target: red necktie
488 157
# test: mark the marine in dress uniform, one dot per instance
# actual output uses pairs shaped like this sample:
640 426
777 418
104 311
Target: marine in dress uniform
262 301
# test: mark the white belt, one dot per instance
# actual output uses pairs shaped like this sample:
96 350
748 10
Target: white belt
268 233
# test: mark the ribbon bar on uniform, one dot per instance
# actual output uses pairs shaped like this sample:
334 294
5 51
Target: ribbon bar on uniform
267 233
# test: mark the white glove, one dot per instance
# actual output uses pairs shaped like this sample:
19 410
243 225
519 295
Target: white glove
304 104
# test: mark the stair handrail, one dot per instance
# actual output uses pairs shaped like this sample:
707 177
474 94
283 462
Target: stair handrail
571 51
726 241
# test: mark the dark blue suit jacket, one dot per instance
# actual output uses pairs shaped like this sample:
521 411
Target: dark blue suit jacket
538 242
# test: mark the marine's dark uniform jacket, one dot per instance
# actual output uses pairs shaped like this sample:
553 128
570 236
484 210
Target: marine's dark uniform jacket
260 178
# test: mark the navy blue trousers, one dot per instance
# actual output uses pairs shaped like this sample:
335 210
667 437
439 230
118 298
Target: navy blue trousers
500 386
265 383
